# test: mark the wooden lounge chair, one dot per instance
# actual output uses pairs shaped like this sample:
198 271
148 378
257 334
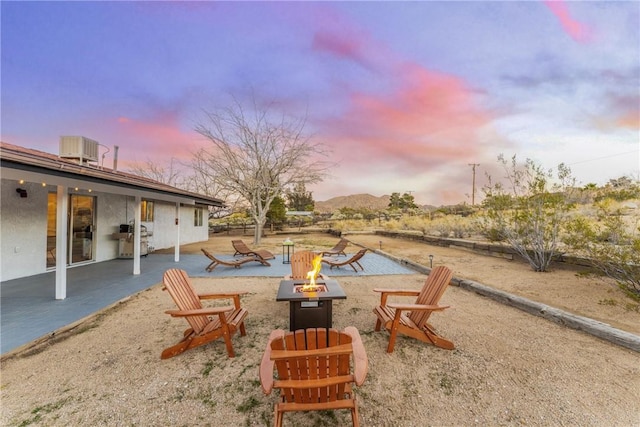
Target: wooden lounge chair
338 262
338 249
396 320
301 264
206 323
241 248
236 263
313 370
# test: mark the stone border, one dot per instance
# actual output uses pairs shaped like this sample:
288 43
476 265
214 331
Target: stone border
593 327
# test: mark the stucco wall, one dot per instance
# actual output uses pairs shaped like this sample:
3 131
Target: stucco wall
23 230
23 227
163 228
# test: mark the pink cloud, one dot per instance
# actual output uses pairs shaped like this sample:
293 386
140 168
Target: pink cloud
157 139
340 45
430 118
577 30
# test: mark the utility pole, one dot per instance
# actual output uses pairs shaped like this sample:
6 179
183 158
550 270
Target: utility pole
473 185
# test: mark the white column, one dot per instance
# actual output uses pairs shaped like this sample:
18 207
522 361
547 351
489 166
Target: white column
176 256
137 214
62 230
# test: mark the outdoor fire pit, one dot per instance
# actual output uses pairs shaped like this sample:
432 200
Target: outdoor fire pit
313 308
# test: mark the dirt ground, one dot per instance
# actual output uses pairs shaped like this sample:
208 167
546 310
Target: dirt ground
509 368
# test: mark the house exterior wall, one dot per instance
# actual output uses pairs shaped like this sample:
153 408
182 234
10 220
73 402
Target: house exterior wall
23 227
165 214
23 230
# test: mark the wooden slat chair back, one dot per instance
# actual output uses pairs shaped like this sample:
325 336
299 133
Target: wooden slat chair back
179 286
241 247
206 323
431 292
338 249
301 264
412 319
313 369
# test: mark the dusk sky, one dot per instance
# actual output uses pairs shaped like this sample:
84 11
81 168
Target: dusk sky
406 95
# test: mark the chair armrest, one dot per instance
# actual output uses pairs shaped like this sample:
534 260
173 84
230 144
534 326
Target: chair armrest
221 295
266 365
403 292
384 293
200 312
417 307
360 360
232 295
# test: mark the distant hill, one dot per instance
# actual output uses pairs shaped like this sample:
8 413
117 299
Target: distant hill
355 201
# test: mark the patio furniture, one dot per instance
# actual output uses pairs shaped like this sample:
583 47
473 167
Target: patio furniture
301 264
236 263
206 323
338 249
313 370
339 262
241 248
395 319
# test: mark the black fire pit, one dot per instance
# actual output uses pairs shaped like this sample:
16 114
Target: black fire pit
310 309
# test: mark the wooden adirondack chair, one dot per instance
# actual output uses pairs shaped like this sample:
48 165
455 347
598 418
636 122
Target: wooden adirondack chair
241 248
236 263
313 370
396 320
338 249
301 264
206 323
339 262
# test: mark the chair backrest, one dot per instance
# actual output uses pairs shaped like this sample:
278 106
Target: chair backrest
308 357
301 264
341 245
358 255
240 246
179 286
431 292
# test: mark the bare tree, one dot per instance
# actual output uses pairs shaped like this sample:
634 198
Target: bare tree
170 174
257 156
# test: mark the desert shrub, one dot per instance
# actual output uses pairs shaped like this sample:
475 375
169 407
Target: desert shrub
529 210
610 245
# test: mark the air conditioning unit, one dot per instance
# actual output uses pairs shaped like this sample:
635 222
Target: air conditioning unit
79 147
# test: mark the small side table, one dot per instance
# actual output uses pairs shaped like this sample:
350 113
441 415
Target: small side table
287 251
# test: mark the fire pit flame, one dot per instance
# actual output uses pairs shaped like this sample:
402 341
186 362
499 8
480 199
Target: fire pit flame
313 275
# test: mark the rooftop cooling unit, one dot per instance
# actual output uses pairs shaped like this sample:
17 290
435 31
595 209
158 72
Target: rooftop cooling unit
79 147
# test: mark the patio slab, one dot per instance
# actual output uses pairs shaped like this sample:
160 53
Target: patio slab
29 310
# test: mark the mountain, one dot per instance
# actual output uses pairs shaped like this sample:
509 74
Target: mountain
355 201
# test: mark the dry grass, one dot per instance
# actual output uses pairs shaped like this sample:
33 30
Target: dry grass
509 368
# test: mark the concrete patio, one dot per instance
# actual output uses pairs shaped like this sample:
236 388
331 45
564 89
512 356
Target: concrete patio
29 310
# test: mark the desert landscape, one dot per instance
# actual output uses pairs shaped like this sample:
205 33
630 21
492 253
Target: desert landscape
509 368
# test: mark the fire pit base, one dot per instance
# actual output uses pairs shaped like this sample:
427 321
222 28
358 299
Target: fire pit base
310 309
310 314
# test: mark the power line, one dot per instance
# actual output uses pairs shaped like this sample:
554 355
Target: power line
603 157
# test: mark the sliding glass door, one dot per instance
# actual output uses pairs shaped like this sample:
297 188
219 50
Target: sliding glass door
81 226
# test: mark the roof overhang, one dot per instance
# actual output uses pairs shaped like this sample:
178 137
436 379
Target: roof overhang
48 169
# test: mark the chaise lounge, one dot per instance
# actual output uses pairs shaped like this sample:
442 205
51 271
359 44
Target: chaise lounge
242 249
339 262
235 263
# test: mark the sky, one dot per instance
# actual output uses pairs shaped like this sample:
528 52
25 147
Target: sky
405 96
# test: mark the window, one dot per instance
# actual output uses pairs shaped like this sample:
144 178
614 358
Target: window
147 211
197 217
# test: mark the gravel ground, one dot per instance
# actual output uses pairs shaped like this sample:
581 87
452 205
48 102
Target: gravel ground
509 368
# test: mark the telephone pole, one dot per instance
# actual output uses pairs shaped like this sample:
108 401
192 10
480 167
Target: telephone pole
473 184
